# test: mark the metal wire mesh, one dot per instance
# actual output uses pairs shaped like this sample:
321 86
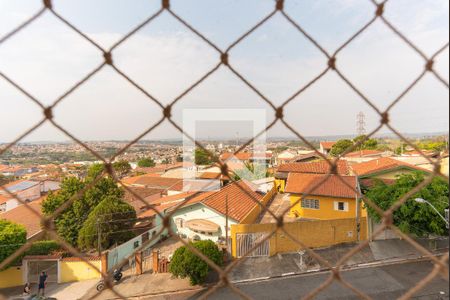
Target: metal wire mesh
166 114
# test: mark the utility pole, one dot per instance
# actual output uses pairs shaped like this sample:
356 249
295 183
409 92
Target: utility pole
226 222
99 241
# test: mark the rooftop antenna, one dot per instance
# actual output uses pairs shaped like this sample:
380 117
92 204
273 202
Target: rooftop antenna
361 124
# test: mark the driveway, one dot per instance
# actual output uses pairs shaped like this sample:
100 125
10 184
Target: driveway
277 206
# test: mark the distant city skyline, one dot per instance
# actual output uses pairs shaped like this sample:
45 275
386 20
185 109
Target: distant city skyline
47 59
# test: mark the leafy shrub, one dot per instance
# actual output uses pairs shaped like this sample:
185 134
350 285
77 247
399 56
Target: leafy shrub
12 237
186 264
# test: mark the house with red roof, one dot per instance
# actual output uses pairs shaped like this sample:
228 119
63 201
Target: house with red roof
207 217
385 169
325 147
324 197
316 167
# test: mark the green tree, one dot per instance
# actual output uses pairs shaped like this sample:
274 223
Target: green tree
115 220
146 163
186 264
415 218
122 168
203 157
340 147
251 172
12 237
70 221
436 146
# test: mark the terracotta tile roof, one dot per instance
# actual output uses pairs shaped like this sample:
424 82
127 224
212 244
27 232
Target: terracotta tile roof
316 167
23 215
78 259
142 192
381 164
239 203
169 202
155 182
327 145
196 185
299 183
210 175
132 180
364 153
244 155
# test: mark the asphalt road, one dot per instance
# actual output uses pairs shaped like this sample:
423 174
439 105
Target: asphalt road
385 282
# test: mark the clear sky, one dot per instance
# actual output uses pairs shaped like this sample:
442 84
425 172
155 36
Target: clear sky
47 58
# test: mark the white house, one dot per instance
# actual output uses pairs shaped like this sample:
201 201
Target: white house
23 189
207 219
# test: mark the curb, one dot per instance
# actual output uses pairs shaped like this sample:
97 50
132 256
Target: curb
386 262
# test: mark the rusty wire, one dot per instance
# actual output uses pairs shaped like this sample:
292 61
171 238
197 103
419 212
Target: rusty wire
223 57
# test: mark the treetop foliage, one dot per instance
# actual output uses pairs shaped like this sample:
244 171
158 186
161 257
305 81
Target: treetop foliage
412 217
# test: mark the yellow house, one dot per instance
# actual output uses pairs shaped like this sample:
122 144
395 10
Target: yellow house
324 197
315 167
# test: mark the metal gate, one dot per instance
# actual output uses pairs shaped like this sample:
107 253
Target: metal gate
246 241
36 267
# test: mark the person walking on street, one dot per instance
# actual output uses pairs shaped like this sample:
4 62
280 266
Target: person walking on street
42 283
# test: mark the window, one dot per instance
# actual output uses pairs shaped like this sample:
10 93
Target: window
179 222
310 203
341 206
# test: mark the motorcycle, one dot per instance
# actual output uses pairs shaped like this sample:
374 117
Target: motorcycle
117 276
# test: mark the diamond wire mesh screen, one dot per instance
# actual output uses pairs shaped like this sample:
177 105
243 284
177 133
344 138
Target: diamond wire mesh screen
223 55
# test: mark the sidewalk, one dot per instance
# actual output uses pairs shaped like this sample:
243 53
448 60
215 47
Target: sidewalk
145 284
289 264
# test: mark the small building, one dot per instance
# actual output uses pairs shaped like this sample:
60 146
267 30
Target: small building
246 157
155 182
147 194
308 157
366 155
385 169
325 147
24 190
317 167
207 219
285 157
324 197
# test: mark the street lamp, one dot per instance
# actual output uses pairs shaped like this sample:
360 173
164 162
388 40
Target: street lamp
420 200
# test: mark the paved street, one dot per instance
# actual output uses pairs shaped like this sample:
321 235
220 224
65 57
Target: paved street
387 282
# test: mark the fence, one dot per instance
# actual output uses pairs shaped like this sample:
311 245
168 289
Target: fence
313 234
223 60
128 249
